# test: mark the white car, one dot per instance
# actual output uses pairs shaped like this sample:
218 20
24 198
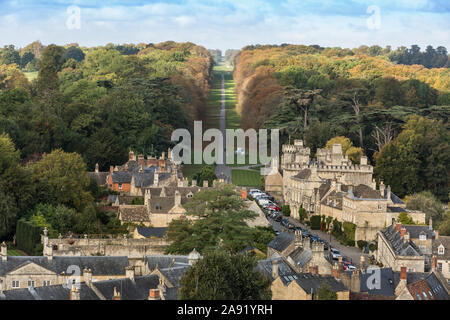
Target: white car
335 254
263 201
252 191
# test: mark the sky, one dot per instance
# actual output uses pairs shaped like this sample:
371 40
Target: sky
227 24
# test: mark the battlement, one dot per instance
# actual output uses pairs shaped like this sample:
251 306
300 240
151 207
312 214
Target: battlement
323 167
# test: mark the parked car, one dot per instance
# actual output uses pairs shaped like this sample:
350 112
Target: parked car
285 222
274 207
278 218
253 191
335 254
348 266
291 226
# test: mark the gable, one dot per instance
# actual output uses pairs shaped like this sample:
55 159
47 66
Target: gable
31 268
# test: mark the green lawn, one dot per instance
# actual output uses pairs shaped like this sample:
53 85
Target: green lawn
13 252
246 178
189 170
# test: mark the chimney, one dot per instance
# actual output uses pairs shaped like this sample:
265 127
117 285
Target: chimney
403 275
433 263
96 167
406 236
362 263
147 197
398 227
163 155
389 193
274 269
205 183
338 186
141 159
382 188
74 293
49 252
116 168
116 295
4 251
177 198
430 223
298 239
306 244
355 282
129 273
335 271
131 156
140 168
87 276
436 235
153 294
194 183
111 169
402 232
314 269
156 179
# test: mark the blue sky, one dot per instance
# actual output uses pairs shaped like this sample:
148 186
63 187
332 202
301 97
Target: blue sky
227 24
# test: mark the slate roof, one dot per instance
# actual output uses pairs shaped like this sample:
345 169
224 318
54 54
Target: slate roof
387 284
151 232
128 289
416 230
99 177
126 200
312 282
184 191
285 272
121 177
143 179
59 292
445 241
174 274
281 241
394 198
165 261
163 204
362 191
17 294
99 265
301 256
398 244
134 214
396 209
303 174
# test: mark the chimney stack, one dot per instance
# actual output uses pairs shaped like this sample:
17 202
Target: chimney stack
398 227
355 282
74 293
129 273
406 236
436 235
156 179
4 251
274 269
403 275
131 156
111 169
87 276
194 183
430 223
116 295
177 198
96 167
205 183
389 193
335 271
433 263
362 263
402 232
314 269
382 188
298 239
154 294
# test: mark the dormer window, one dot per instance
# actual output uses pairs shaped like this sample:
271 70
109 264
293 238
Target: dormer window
120 186
380 207
422 237
441 249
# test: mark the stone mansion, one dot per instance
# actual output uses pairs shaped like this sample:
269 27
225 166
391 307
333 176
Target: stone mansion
332 185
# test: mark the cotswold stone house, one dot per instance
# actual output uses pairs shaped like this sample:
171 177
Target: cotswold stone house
441 255
287 284
407 246
333 186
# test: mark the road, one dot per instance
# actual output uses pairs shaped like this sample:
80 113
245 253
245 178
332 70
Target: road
352 253
222 170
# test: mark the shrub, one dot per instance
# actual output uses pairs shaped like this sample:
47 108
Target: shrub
286 210
361 244
373 246
302 214
28 237
350 243
315 222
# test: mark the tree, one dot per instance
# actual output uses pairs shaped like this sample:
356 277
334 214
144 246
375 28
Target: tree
426 202
325 293
417 159
205 174
302 213
74 53
404 218
220 221
63 179
9 156
221 276
348 149
286 210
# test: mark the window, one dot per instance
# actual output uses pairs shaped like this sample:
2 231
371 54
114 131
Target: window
422 237
418 297
380 207
31 283
441 249
423 249
120 186
47 283
440 267
15 284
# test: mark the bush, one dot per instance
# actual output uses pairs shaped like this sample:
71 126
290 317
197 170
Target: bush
286 210
302 214
361 244
315 222
373 247
350 243
28 237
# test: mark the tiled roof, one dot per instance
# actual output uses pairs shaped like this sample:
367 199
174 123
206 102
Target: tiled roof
396 209
312 283
151 232
163 204
415 231
99 265
281 241
143 179
285 272
134 214
303 174
174 274
165 261
365 192
121 177
128 289
398 244
387 284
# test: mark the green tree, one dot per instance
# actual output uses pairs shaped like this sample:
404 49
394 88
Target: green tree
221 276
205 174
64 179
325 293
404 218
302 213
426 202
286 210
220 221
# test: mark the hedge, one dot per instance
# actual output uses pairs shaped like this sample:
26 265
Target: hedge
315 222
28 237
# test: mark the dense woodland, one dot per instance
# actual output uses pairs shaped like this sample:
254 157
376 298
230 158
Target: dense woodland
392 105
87 106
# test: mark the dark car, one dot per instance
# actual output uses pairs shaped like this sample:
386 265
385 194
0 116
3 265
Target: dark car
285 222
278 218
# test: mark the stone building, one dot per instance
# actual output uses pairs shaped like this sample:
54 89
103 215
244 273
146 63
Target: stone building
287 284
332 185
441 255
407 246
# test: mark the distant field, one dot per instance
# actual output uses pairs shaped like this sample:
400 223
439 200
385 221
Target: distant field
189 170
31 75
246 178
